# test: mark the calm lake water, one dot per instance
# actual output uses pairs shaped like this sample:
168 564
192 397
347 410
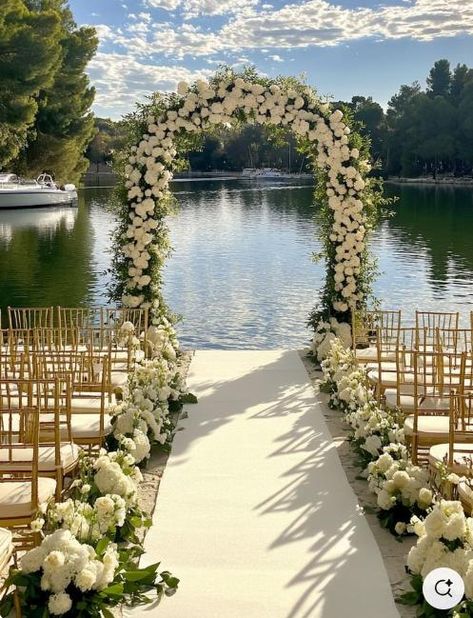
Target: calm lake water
241 273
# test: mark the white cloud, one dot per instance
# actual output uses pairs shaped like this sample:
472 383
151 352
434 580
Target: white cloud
167 5
310 23
276 58
194 8
317 22
121 81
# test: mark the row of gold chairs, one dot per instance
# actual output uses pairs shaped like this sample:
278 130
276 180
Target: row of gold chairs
367 324
425 372
82 317
60 370
16 344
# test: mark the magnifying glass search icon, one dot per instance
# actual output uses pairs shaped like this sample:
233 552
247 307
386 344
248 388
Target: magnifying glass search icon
442 587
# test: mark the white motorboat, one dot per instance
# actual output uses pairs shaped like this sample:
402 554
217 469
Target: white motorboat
266 173
16 192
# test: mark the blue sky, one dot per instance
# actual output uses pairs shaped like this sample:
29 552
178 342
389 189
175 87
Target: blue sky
343 47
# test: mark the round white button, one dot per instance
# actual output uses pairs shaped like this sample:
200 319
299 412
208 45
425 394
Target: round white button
443 588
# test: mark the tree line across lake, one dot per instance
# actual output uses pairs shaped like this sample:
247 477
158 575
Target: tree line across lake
424 131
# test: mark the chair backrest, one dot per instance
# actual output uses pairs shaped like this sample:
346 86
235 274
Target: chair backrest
366 323
16 365
79 317
51 394
430 321
436 374
454 339
57 339
30 317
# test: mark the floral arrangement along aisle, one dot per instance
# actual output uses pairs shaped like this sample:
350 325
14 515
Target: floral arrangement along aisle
406 502
88 558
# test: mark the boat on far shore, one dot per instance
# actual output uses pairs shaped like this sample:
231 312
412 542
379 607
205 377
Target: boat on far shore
16 192
270 173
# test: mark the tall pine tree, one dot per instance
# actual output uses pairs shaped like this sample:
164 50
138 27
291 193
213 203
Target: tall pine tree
64 125
30 55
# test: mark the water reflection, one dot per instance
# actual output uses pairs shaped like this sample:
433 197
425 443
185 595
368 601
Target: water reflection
49 256
44 220
426 249
241 273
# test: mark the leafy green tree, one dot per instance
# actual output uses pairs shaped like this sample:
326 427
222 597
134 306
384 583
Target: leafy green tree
439 79
433 132
64 124
461 75
110 136
30 54
398 159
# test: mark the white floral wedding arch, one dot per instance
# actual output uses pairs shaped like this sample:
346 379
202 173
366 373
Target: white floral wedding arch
341 161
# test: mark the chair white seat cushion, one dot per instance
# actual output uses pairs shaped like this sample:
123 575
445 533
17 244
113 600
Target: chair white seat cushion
119 378
406 400
388 378
428 426
87 426
20 458
439 454
88 403
366 354
435 403
15 497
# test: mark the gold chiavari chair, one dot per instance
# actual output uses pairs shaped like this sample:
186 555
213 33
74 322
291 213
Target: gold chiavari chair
58 456
79 317
383 373
63 339
105 342
436 374
30 317
364 331
115 317
401 394
456 454
454 339
91 391
427 323
22 489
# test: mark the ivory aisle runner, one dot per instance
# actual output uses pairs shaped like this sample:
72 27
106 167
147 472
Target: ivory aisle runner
255 513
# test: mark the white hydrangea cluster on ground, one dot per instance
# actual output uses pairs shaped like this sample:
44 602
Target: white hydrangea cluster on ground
116 473
142 417
325 333
445 539
64 560
88 522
